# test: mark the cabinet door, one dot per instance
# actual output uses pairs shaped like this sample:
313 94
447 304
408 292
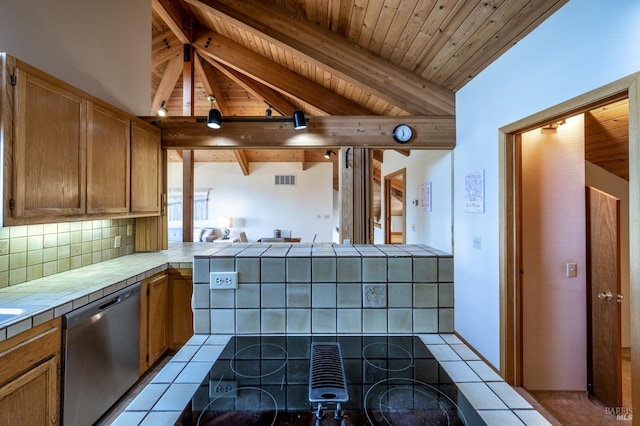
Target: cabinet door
146 170
181 289
108 144
158 309
49 149
32 398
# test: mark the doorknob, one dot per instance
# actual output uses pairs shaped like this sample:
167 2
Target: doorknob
605 295
619 298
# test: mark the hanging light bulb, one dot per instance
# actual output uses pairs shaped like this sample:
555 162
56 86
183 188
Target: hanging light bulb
162 111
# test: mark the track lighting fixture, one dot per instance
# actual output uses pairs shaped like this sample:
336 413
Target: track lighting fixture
327 154
299 121
162 111
215 117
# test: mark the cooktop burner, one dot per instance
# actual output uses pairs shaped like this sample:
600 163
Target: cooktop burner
391 380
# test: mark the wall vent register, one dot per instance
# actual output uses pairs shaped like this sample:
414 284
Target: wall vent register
285 180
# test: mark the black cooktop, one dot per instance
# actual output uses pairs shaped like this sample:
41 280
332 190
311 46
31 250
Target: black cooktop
391 380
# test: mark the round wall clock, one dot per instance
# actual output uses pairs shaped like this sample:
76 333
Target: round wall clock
402 133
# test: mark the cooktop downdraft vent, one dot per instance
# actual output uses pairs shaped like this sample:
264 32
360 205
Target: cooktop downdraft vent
285 180
327 381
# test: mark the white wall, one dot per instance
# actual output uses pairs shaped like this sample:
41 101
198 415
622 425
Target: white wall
553 234
619 188
101 47
571 53
258 206
433 227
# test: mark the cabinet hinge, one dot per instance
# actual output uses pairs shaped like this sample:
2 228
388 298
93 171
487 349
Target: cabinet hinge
12 204
14 80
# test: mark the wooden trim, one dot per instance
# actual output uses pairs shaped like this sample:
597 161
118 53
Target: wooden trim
634 238
510 256
345 193
388 185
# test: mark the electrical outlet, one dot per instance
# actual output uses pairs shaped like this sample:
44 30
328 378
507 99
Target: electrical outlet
223 280
116 241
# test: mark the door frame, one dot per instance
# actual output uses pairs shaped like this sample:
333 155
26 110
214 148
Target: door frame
387 204
510 220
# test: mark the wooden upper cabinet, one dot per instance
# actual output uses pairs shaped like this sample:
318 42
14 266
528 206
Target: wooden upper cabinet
49 149
146 169
108 156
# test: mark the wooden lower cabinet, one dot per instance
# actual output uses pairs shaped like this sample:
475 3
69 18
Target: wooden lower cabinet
154 319
181 291
166 318
30 376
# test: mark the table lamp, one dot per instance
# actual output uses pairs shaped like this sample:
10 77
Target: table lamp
227 222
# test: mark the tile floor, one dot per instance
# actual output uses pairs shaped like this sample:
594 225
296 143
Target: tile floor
162 400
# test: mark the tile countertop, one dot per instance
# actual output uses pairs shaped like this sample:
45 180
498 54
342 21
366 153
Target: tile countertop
161 401
55 295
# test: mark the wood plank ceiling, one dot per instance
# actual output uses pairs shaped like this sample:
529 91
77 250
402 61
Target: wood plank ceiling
327 57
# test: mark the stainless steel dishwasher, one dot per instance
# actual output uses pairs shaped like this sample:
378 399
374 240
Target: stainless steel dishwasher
101 347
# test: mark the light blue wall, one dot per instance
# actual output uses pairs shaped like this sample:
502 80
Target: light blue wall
101 47
583 46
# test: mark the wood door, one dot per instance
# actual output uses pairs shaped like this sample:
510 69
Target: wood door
32 398
394 199
108 148
49 148
603 283
146 169
158 308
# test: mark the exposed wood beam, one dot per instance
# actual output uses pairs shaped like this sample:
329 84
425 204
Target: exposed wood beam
168 82
322 132
242 161
330 51
188 73
257 89
173 18
208 77
166 49
378 155
405 152
276 76
303 159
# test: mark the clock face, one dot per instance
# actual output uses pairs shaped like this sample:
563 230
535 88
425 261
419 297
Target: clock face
402 133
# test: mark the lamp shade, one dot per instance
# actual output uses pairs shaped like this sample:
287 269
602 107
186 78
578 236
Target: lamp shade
299 122
214 119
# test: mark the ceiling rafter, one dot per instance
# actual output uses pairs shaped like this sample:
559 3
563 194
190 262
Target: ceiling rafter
207 75
257 89
174 18
329 50
276 76
169 79
242 161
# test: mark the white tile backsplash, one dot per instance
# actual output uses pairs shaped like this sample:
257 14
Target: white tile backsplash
326 289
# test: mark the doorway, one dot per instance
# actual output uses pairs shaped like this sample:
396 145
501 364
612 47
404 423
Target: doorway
394 207
512 226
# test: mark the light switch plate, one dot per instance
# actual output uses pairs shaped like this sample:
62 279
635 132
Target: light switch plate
223 280
572 270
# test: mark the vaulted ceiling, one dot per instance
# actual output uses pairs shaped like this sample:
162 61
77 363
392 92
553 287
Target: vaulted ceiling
327 58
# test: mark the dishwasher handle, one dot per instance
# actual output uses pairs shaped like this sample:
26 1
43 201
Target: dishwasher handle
110 303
